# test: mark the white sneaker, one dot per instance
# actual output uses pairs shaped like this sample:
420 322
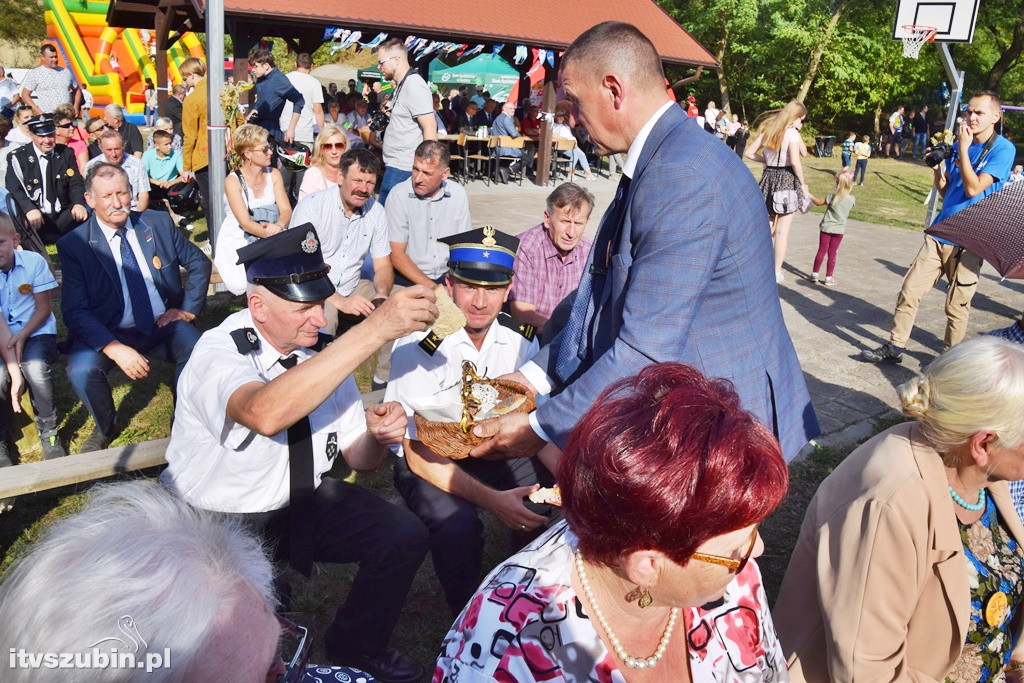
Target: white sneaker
779 277
207 249
813 277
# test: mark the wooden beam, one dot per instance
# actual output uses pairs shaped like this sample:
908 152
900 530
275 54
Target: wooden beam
140 7
32 477
50 474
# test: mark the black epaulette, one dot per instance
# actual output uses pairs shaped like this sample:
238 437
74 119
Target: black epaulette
245 340
525 329
430 342
322 341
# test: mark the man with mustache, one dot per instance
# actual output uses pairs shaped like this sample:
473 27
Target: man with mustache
351 223
123 298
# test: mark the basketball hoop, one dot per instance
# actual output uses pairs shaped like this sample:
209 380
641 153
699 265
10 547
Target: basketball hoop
914 37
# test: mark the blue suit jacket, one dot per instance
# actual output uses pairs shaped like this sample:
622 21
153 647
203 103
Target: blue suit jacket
93 301
690 279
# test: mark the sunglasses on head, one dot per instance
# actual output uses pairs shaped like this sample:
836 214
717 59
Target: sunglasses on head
330 146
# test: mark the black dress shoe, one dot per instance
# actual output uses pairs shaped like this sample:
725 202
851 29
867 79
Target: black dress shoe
391 667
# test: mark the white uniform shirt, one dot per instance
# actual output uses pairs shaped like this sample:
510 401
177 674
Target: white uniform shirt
217 464
415 373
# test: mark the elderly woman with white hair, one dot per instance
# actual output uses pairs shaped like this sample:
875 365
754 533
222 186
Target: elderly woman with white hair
140 586
909 562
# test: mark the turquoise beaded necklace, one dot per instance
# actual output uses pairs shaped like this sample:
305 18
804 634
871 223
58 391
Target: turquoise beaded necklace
964 504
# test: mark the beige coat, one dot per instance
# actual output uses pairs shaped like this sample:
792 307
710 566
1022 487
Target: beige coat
876 588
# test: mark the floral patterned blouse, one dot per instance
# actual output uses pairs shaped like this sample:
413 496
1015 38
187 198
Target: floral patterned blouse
994 566
526 623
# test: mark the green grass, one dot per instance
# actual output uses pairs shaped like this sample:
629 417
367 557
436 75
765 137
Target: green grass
893 193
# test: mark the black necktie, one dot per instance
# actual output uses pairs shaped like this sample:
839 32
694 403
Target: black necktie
575 334
300 505
50 191
138 293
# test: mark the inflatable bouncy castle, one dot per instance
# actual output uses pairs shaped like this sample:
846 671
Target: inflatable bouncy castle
113 63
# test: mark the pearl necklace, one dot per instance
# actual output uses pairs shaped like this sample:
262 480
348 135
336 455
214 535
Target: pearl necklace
629 660
964 504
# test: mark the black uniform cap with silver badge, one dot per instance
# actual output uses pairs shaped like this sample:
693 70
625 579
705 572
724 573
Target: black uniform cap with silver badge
290 264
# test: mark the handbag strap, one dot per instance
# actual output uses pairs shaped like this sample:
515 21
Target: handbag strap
245 191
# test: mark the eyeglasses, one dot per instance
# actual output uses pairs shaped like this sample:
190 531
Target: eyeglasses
729 562
62 125
296 667
262 149
331 146
382 62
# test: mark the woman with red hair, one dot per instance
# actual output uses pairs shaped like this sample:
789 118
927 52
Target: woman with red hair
663 484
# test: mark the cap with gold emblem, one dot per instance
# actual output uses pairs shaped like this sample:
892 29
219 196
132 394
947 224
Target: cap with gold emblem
484 256
290 264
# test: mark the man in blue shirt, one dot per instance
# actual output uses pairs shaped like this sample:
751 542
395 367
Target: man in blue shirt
273 89
979 166
504 124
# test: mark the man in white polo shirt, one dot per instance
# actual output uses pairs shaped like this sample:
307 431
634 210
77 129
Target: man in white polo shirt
351 224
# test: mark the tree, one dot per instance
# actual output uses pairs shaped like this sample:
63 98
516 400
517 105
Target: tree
22 21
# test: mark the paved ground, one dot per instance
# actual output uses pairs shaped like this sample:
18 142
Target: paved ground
829 325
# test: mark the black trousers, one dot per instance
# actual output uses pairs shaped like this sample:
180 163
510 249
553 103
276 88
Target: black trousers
456 532
203 181
387 541
56 226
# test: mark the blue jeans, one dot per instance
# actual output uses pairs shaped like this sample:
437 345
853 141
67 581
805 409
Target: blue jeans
87 369
578 158
861 169
846 158
392 176
39 354
922 140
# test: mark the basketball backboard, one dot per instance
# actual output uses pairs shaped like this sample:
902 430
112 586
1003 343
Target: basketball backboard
953 19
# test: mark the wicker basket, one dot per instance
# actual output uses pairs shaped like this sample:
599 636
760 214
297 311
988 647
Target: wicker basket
448 441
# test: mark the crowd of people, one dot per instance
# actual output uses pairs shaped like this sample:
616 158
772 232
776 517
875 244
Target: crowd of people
661 396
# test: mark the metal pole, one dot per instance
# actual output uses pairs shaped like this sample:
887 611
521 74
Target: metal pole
956 83
215 132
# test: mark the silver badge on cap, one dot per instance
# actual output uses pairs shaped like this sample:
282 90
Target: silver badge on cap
309 245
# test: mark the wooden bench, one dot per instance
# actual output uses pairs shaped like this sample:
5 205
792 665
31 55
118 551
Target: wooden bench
32 477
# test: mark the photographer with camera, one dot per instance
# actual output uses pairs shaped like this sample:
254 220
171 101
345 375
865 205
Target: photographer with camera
975 166
411 114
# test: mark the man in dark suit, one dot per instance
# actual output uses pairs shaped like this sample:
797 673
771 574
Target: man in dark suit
44 180
678 271
123 297
172 108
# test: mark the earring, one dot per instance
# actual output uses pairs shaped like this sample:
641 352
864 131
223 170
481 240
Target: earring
642 597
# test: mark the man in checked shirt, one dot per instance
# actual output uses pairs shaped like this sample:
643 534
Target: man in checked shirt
551 256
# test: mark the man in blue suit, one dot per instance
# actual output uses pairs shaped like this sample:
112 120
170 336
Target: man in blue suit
123 297
680 270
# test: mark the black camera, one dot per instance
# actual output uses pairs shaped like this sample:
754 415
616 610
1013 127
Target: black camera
939 153
378 121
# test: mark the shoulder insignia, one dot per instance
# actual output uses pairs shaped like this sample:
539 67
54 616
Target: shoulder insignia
430 342
322 341
525 329
245 340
